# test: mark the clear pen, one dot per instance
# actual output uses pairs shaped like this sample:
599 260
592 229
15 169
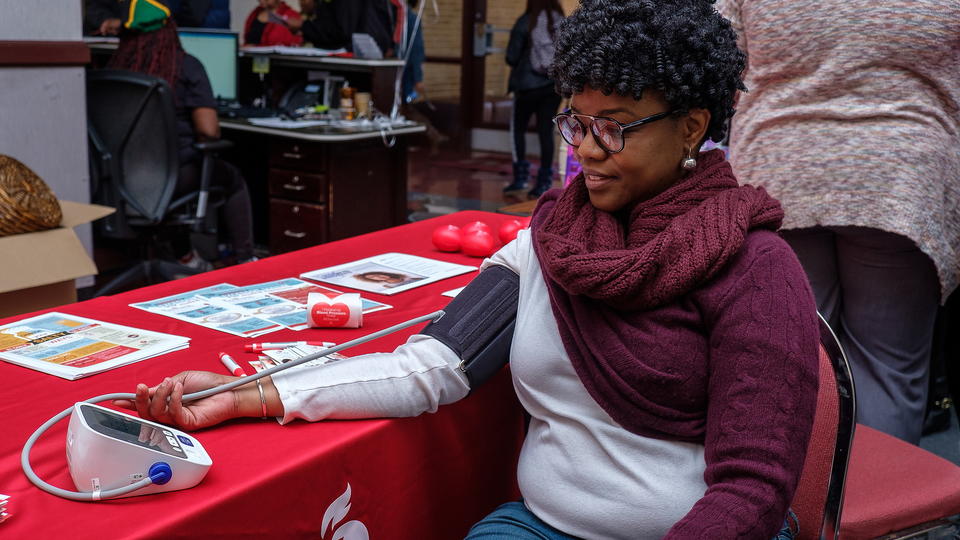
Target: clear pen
257 347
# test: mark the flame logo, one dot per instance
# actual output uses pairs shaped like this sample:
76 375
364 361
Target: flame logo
351 530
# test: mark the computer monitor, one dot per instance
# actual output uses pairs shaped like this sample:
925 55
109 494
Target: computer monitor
217 51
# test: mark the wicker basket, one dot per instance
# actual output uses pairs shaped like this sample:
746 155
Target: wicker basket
26 202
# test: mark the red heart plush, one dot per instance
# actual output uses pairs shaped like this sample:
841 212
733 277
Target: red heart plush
447 238
478 244
473 226
323 314
508 230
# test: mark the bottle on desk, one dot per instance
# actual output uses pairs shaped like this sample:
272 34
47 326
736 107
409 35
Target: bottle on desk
348 110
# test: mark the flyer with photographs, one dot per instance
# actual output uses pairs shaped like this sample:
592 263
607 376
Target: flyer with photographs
266 301
194 307
71 347
282 356
283 301
248 311
388 273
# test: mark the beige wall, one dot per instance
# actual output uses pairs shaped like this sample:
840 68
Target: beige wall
441 37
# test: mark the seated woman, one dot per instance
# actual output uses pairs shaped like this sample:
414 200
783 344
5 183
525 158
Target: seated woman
272 22
149 44
666 337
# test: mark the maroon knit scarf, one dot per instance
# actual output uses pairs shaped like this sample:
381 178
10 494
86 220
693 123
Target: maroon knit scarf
602 274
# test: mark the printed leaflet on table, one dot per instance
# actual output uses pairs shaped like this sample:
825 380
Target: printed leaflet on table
388 273
248 311
195 308
282 356
71 347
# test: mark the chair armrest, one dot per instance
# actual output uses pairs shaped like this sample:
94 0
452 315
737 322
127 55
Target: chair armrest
212 146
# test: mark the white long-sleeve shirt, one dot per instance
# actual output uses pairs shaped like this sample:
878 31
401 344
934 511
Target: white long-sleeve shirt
579 471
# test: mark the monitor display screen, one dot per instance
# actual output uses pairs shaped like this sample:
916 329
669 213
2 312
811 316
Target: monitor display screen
217 51
131 430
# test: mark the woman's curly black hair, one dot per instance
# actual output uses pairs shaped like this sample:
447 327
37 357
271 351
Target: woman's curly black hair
683 48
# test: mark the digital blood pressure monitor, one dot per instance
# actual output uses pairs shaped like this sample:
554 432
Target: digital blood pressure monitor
107 449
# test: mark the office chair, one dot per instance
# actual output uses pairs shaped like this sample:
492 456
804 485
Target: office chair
818 500
859 483
131 125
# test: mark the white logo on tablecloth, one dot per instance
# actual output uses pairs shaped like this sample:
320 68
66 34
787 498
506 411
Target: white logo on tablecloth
351 530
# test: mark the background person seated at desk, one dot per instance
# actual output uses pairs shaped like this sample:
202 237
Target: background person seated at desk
105 17
666 340
159 53
273 22
330 24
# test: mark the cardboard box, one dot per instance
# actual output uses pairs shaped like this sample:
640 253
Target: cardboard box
39 268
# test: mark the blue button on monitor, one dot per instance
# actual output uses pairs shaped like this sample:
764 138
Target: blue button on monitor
185 440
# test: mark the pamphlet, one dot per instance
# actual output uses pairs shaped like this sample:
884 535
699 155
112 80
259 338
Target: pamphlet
195 308
248 311
388 273
71 347
282 356
4 513
283 301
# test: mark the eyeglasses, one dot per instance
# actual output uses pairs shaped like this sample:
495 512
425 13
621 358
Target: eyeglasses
606 131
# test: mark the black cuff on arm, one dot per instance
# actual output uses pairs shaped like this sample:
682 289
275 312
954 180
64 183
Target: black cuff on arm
478 324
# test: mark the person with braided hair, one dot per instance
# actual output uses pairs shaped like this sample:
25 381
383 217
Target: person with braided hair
666 339
153 48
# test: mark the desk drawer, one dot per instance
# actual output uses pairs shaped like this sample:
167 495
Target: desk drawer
298 185
296 225
297 156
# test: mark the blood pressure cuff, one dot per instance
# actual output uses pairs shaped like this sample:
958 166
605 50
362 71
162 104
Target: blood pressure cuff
478 324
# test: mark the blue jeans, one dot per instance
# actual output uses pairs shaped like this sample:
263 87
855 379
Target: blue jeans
512 521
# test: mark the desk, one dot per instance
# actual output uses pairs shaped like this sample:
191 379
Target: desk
382 73
417 478
324 183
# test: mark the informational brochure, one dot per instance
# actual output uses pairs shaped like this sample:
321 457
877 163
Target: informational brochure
4 511
388 273
248 311
257 301
194 307
72 347
282 356
283 301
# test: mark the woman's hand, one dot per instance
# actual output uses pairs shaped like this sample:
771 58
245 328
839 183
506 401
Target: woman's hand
164 403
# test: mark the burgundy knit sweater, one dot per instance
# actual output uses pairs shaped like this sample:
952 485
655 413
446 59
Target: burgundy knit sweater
727 358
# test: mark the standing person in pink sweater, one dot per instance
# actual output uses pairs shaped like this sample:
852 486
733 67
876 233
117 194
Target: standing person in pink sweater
665 338
852 120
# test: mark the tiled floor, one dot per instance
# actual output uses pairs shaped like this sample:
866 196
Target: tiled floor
452 181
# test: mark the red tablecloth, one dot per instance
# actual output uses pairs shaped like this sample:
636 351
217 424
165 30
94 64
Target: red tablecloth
426 477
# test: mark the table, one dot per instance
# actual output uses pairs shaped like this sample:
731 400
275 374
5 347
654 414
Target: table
418 478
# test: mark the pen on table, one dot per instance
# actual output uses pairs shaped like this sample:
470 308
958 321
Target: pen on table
257 347
231 365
